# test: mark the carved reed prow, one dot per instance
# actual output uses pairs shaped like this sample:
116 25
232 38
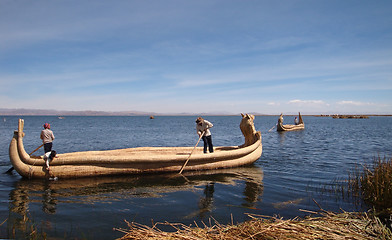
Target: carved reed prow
280 120
248 129
20 128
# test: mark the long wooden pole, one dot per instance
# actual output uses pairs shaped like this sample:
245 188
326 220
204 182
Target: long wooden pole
36 149
201 135
272 128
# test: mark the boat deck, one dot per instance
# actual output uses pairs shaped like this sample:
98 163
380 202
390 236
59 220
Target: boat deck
143 151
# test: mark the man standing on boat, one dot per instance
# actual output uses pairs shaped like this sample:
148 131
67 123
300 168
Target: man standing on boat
47 137
202 128
296 121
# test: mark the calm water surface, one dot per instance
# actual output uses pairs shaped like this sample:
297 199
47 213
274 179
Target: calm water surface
294 169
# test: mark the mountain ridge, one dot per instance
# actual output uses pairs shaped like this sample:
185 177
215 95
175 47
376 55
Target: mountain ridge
52 112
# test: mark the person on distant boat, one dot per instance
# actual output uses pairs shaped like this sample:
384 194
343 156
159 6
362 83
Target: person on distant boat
47 137
203 127
296 121
48 157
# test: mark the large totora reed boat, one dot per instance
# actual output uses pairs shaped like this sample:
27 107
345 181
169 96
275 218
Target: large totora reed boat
136 160
290 127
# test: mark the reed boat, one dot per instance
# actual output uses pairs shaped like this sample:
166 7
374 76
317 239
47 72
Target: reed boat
141 160
290 127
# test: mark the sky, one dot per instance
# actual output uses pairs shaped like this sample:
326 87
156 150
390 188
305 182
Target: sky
175 56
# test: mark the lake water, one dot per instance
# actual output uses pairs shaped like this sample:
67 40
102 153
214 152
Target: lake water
293 170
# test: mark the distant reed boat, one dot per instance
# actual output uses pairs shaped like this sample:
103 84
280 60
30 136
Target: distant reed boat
151 117
290 127
136 160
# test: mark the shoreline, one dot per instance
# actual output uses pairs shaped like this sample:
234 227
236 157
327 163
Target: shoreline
62 116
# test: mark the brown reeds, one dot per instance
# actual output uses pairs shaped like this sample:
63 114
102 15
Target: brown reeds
374 183
329 225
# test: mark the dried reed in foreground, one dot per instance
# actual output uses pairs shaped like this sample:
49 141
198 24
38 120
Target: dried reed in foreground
329 225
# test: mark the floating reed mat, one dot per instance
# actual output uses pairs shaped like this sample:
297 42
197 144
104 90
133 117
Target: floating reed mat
328 225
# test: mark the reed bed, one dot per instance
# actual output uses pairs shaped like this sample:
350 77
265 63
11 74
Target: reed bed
326 225
374 183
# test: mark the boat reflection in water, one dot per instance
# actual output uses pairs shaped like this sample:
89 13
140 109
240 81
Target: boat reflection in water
70 192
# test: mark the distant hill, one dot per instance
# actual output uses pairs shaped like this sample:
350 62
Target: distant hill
51 112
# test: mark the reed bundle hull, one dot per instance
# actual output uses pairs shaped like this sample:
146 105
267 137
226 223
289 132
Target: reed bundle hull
288 127
134 160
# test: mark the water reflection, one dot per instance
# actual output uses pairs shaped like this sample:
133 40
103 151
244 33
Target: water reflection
49 199
49 195
281 137
297 136
206 202
252 192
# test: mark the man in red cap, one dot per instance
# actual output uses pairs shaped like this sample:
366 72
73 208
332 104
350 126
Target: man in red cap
47 137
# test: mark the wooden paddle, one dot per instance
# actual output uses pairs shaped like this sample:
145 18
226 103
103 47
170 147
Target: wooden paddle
12 168
201 135
36 149
272 128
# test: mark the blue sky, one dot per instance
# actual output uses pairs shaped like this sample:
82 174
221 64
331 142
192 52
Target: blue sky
177 56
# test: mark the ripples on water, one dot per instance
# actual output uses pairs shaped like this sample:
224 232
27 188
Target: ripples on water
293 170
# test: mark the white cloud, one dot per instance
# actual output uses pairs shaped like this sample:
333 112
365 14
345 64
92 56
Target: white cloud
307 102
355 103
273 103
